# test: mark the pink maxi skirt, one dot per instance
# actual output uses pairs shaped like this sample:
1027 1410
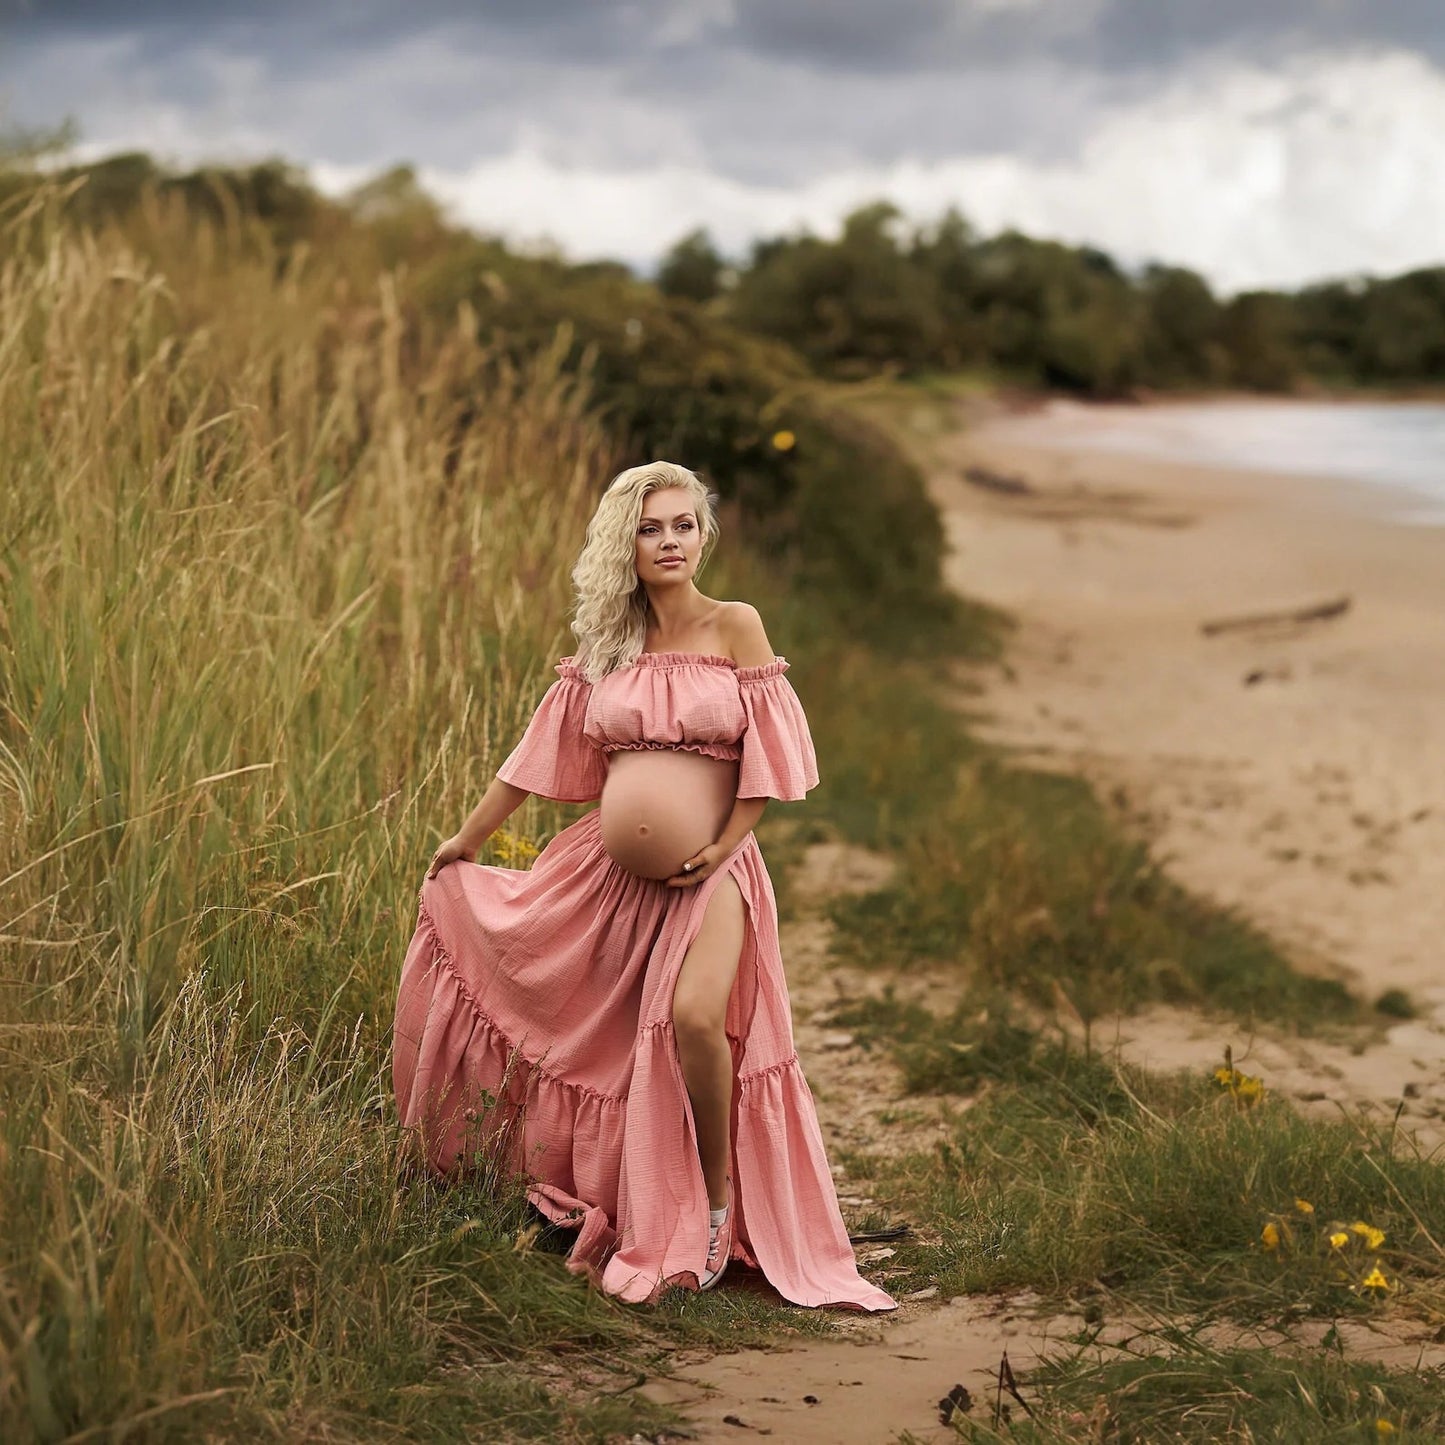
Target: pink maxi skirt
534 1018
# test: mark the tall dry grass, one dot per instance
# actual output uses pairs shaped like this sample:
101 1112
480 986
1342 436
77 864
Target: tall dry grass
280 568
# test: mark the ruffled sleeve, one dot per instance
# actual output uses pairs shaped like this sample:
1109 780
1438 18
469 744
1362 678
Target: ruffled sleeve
778 760
553 759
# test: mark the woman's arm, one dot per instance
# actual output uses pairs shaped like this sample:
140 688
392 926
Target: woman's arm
498 804
741 822
748 640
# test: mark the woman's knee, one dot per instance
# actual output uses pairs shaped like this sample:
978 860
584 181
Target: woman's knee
694 1022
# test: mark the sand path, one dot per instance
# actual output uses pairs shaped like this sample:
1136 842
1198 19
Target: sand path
881 1375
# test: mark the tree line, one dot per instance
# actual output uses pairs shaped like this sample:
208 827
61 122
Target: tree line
938 298
881 297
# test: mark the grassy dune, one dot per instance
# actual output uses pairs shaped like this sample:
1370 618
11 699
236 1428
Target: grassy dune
281 572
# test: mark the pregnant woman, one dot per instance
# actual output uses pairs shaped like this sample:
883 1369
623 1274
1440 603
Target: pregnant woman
614 1020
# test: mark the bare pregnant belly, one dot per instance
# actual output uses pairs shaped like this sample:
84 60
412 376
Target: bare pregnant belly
660 805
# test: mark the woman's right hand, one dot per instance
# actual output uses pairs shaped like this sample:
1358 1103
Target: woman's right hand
452 849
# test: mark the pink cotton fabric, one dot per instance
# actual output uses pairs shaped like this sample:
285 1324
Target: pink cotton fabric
546 993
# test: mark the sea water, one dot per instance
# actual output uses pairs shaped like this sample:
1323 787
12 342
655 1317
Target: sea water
1398 447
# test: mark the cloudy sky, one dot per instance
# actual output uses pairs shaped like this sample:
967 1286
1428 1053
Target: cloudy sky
1261 141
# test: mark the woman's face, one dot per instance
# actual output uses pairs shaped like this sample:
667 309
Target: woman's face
669 539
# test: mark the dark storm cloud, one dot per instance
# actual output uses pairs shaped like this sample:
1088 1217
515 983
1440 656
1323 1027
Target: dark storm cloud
849 33
843 34
1165 33
1108 35
822 35
574 25
764 91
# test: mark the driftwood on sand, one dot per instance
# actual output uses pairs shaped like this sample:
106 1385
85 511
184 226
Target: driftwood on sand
993 481
1317 612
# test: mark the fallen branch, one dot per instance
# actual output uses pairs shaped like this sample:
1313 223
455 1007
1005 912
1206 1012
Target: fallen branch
1319 612
997 482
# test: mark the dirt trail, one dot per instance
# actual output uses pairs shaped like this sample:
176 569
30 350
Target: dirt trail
868 1388
883 1374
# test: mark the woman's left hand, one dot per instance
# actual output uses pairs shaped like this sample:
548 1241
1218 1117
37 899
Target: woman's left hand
695 869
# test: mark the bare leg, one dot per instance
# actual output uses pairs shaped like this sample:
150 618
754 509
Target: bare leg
699 1009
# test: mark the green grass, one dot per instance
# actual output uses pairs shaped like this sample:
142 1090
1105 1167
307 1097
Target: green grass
1078 1176
1395 1003
275 598
1019 880
1170 1385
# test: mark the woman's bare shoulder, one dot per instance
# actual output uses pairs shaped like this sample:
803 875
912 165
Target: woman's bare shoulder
746 635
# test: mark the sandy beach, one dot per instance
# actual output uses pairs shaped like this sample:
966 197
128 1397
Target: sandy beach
1292 770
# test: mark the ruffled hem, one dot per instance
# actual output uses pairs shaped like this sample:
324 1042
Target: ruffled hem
723 752
775 668
682 659
778 759
787 1204
490 1026
471 1089
764 670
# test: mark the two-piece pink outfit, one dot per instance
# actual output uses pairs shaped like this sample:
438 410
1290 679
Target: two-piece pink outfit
567 970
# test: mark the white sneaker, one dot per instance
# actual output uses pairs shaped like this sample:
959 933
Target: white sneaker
719 1248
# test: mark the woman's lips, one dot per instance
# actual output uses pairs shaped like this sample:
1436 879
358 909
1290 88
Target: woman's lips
670 562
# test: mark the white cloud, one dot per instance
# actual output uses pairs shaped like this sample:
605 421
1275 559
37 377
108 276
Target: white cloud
1329 167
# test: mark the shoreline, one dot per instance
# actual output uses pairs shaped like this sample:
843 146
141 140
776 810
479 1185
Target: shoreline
1293 771
1057 423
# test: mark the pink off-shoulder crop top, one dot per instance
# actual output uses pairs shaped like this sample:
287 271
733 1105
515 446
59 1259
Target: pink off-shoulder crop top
695 701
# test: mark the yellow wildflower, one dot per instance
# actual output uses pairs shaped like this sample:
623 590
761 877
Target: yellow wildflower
1383 1427
1270 1235
1304 1206
1373 1237
1243 1088
1375 1280
784 441
1339 1239
512 849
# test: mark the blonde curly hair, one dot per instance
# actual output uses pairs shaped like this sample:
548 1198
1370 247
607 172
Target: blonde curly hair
610 616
